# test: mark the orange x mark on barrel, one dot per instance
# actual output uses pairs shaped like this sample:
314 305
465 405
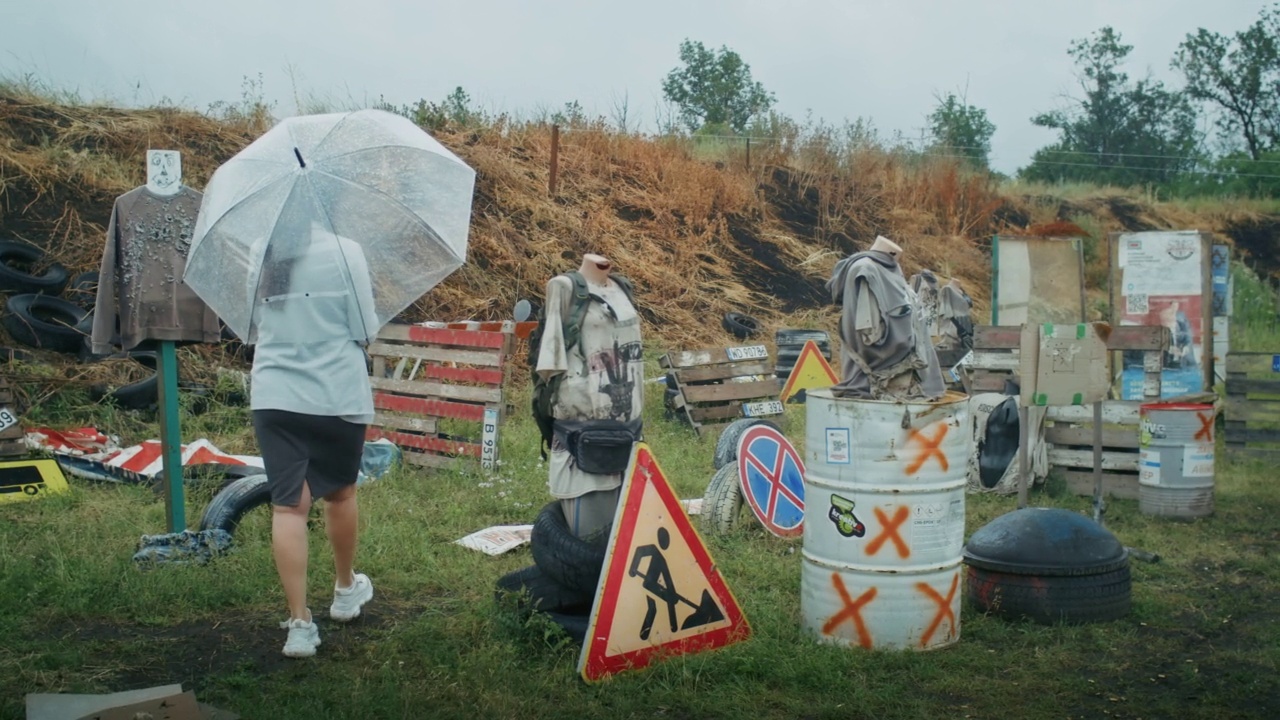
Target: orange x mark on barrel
1205 432
889 531
944 608
930 448
852 610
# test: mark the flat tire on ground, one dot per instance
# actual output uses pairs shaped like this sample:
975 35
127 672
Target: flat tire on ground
727 444
16 258
722 503
573 562
229 506
1050 599
536 591
44 322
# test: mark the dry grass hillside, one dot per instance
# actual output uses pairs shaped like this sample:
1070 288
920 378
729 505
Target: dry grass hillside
699 237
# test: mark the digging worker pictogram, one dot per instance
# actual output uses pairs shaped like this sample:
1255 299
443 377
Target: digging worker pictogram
657 582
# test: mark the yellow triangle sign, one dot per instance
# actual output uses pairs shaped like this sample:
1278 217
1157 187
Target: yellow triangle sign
660 593
29 479
811 371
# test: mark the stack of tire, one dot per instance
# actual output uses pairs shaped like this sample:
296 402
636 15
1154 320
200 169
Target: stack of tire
722 501
566 571
790 342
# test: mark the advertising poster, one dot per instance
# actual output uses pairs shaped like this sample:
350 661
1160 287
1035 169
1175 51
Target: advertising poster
1161 282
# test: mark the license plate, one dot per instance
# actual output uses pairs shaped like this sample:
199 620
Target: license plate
747 352
7 419
762 408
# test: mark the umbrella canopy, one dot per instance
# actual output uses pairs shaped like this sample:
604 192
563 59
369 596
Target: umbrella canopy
366 181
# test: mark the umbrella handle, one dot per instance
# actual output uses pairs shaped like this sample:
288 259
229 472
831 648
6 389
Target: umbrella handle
299 156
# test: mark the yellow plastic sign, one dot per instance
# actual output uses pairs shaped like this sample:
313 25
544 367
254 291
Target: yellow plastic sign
811 371
29 479
660 593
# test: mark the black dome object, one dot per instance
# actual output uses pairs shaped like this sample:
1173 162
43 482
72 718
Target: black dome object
1045 541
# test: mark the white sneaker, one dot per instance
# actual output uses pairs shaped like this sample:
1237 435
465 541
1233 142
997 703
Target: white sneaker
304 638
348 601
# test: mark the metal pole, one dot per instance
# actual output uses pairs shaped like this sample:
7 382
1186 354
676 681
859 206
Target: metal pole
555 159
1024 462
748 153
171 438
1099 506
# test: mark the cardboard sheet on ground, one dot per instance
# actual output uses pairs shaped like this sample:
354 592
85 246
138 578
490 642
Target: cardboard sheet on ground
1068 364
498 539
660 593
811 371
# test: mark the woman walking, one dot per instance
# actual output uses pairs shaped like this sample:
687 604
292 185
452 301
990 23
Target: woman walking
311 403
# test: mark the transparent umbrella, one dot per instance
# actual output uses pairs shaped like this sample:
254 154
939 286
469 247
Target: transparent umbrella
366 188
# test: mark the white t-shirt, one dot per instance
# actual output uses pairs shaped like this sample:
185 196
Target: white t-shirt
603 374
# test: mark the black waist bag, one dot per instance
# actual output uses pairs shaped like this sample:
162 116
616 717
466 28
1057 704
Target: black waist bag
600 447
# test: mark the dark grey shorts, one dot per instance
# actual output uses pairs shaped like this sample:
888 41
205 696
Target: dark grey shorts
320 450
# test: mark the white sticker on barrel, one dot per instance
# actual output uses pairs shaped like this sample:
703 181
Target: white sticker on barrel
1197 460
838 446
1149 467
937 526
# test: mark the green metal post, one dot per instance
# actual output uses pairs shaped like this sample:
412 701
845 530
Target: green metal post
171 439
995 279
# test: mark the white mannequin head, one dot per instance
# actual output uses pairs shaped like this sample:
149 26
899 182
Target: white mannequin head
595 268
164 171
885 245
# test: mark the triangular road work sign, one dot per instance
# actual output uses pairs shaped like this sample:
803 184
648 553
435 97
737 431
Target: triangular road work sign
660 593
810 372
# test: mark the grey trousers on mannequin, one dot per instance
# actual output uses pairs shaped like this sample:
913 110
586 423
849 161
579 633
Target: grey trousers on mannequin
589 513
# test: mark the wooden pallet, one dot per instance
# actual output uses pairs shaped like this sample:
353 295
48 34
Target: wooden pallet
1070 431
437 393
1252 410
713 385
12 438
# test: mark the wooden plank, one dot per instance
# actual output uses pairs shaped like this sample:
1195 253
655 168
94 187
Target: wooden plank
1238 408
438 354
1239 432
1122 486
422 406
989 383
429 388
986 360
1251 362
405 422
1112 437
721 372
1123 337
430 460
436 336
1270 455
716 412
733 391
483 376
424 442
689 358
1245 386
1084 459
1117 412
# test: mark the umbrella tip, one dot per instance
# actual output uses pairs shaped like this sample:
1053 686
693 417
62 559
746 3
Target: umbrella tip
298 155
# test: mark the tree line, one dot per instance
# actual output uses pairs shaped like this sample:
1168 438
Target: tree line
1118 130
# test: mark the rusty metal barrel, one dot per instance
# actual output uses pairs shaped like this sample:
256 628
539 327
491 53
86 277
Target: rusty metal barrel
884 520
1176 461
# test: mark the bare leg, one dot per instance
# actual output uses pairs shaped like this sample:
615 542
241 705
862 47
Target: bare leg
289 546
341 517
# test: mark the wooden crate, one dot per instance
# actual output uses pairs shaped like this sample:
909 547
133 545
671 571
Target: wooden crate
1069 432
712 385
12 438
437 393
1252 410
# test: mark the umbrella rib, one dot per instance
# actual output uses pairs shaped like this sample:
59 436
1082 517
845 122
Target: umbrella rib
369 148
320 142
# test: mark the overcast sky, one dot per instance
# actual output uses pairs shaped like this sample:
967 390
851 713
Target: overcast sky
884 60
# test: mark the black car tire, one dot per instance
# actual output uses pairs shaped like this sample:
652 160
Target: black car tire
722 503
44 322
1049 600
727 444
739 325
15 258
571 561
233 501
537 591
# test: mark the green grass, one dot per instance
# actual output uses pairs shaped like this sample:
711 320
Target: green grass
1202 640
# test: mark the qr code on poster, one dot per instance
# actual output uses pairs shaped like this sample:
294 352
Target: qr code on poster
1136 305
